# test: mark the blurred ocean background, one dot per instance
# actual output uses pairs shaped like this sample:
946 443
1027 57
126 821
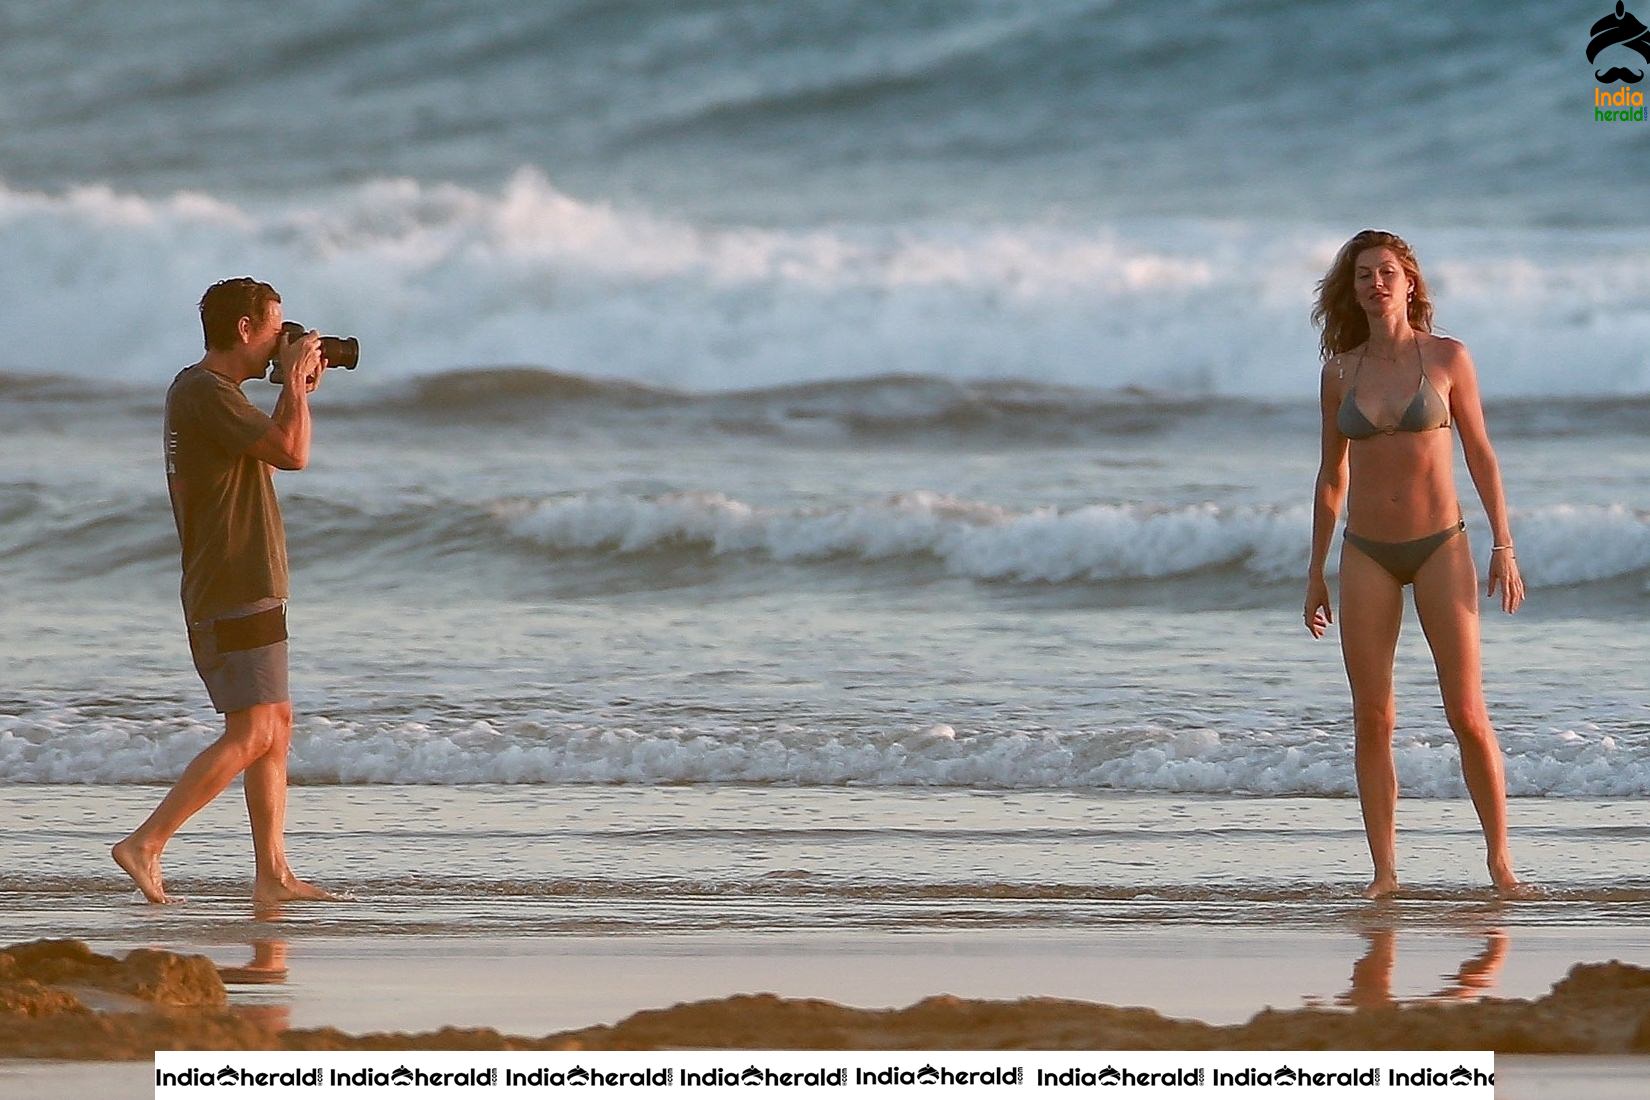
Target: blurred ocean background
905 401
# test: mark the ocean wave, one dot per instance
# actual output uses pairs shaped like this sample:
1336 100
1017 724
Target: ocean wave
987 542
909 408
1099 543
63 745
487 392
852 109
894 407
69 539
30 387
434 278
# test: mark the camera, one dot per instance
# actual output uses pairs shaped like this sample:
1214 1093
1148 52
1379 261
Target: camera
339 351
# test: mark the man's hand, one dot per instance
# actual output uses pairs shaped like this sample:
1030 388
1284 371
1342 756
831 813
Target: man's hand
301 361
286 445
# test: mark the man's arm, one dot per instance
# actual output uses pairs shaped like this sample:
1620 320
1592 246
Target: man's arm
286 445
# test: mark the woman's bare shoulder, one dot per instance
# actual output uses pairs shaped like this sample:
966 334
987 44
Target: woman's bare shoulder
1445 353
1338 364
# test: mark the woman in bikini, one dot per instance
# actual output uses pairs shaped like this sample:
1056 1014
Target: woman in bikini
1390 392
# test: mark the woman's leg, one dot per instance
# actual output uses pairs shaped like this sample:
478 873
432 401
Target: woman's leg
1372 608
1446 597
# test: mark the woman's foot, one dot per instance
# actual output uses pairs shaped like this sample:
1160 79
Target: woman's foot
1507 885
1383 886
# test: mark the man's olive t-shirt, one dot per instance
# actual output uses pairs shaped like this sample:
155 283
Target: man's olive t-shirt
234 546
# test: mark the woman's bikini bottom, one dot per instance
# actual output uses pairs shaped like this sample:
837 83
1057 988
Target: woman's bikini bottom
1404 559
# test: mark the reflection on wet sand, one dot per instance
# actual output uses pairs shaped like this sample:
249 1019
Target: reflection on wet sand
1371 986
1597 1008
266 967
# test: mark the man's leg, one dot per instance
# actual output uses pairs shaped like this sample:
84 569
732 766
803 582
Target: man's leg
266 804
266 810
248 736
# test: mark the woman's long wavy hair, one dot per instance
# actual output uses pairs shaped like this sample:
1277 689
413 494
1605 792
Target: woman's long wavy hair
1342 321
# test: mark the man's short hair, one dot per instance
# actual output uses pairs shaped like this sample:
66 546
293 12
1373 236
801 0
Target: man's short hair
224 304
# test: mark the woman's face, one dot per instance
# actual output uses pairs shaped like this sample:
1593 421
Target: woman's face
1379 281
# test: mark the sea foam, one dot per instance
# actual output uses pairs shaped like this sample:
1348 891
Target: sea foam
60 747
1559 545
437 277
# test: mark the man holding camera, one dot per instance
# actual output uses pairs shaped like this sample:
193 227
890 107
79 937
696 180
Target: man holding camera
219 453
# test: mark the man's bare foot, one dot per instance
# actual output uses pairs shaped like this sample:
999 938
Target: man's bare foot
144 867
267 892
1384 886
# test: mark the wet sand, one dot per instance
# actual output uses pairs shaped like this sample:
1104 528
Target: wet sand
60 1000
533 985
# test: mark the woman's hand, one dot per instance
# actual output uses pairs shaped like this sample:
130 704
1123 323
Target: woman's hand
1504 575
1319 613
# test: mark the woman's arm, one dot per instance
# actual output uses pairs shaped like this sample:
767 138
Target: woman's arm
1327 496
1467 411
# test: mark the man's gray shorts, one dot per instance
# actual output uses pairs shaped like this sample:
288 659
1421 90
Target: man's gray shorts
241 656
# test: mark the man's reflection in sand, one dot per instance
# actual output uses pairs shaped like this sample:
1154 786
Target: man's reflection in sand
1372 974
266 967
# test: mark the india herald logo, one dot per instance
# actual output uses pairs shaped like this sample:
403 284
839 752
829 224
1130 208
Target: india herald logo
1621 28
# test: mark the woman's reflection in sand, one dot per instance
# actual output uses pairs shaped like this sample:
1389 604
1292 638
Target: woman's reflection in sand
1372 974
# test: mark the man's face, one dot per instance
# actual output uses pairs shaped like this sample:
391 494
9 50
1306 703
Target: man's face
261 335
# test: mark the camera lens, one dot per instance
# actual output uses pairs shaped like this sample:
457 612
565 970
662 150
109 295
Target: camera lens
341 351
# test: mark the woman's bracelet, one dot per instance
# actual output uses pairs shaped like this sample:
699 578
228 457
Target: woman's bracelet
1508 546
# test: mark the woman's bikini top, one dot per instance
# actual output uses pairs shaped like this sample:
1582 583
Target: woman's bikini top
1425 412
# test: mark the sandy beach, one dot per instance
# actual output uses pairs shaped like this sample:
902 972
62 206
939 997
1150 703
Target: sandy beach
813 552
578 920
62 1006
